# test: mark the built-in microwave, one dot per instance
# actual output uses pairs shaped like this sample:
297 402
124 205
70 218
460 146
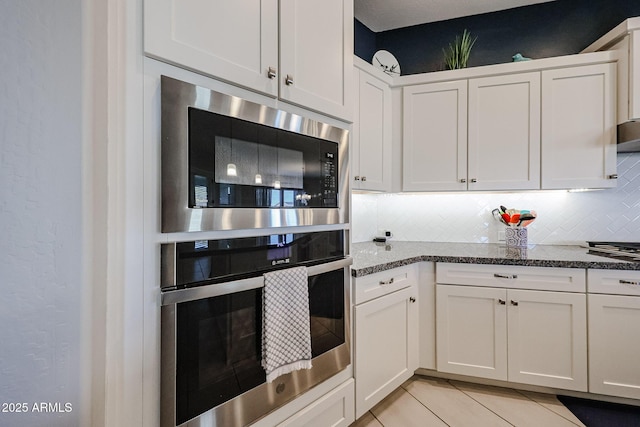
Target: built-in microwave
228 163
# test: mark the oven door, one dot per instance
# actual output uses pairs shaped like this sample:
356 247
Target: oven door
211 349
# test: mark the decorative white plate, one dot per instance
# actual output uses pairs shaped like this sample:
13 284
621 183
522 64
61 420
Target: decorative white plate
385 60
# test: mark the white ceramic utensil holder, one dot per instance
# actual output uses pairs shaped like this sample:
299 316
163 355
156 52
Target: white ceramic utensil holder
516 237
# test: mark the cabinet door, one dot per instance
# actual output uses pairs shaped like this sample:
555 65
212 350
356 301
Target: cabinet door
374 135
386 346
471 331
614 345
504 132
236 41
547 336
316 55
435 137
578 127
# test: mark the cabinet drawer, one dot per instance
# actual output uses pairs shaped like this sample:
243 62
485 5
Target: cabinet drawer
378 284
616 282
336 409
512 276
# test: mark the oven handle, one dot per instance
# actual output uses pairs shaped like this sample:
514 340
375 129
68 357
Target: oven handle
218 289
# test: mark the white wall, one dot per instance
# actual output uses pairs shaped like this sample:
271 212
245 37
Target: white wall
44 345
563 218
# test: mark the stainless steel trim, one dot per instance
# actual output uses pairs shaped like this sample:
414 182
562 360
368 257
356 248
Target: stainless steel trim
257 402
629 137
168 358
613 251
218 289
168 265
177 97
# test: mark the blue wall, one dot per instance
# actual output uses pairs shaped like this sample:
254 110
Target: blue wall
560 27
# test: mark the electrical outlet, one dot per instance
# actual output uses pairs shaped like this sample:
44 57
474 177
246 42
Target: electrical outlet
501 236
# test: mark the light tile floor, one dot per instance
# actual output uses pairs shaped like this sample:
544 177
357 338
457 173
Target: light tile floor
424 401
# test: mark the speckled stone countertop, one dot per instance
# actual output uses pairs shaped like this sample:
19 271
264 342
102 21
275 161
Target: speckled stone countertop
370 257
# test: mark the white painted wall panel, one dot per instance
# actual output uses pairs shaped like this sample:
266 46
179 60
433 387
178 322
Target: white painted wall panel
42 351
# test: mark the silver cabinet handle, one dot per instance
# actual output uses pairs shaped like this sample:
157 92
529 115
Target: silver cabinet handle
501 301
505 276
514 303
412 299
463 180
271 73
629 282
288 80
364 178
356 178
386 282
613 176
474 180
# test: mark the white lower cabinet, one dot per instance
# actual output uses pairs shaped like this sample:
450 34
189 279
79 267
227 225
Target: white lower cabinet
532 337
385 342
614 339
334 409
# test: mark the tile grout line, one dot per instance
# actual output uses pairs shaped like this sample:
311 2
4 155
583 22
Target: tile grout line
420 402
481 404
560 415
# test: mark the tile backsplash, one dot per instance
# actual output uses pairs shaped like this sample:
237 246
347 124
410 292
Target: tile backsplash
563 217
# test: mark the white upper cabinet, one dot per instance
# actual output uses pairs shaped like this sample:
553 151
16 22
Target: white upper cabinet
316 54
435 137
371 141
625 40
234 41
504 132
299 51
579 127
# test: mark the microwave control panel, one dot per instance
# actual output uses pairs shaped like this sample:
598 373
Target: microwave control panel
329 180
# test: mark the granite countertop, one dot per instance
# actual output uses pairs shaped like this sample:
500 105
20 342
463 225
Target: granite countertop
370 257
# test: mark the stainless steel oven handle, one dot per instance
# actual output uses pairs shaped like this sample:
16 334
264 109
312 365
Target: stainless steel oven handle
218 289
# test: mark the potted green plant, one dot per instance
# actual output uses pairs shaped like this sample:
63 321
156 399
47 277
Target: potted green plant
457 54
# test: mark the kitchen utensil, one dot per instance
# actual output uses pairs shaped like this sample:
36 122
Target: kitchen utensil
496 214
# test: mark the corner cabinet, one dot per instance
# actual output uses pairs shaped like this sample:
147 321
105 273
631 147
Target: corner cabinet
579 127
371 141
519 324
385 334
435 137
301 52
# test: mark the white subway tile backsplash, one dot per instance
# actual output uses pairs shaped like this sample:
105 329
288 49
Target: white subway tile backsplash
563 217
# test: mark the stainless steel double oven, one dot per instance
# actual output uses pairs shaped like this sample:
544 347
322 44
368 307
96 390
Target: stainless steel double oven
275 186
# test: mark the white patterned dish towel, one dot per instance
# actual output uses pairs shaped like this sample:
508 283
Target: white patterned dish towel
286 330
